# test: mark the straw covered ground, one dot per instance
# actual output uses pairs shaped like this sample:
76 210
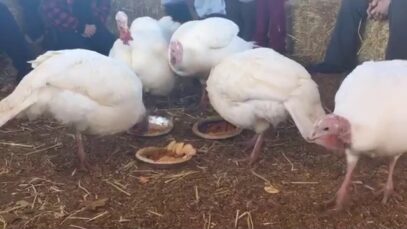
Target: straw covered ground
41 189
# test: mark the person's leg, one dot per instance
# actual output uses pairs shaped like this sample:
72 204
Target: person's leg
248 12
233 13
277 26
102 41
215 15
262 20
32 19
341 54
50 39
12 42
397 45
178 11
69 40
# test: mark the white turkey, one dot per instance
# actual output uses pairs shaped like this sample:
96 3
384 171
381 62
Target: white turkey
370 118
260 88
121 49
89 91
197 46
144 48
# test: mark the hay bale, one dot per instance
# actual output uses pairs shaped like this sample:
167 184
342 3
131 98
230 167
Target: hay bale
312 22
138 8
374 41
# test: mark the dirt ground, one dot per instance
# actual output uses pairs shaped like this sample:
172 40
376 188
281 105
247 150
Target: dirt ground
39 188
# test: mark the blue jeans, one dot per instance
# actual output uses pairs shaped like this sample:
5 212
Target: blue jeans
12 42
101 42
178 11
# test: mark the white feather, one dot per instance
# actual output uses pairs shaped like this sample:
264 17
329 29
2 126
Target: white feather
205 43
146 54
372 99
82 88
168 26
121 51
259 87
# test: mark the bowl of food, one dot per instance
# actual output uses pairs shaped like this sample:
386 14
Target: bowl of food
215 128
158 125
175 153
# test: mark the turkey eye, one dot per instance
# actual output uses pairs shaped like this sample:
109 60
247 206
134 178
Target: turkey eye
326 129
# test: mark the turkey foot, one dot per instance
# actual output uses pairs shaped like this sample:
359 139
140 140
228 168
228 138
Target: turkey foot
341 196
83 161
204 102
338 200
255 152
250 143
388 189
387 194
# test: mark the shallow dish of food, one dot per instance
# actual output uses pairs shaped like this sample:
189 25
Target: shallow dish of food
175 153
158 125
215 128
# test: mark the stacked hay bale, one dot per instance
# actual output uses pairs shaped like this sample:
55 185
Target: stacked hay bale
312 22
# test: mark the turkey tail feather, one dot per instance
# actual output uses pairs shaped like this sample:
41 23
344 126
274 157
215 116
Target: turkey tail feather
10 110
44 57
25 93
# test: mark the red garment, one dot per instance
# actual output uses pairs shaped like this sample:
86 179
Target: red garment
271 24
59 13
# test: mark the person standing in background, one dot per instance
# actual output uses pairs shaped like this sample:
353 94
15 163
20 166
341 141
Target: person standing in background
201 9
243 13
177 9
34 27
187 10
79 24
12 42
271 24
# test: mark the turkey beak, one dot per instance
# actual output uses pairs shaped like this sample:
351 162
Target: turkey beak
142 127
315 136
312 138
309 140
